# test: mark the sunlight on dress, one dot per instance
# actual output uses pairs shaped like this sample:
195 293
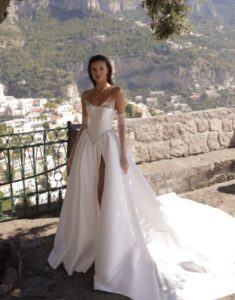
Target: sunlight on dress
144 246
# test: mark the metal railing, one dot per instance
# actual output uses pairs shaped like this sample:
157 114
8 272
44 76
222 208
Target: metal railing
33 172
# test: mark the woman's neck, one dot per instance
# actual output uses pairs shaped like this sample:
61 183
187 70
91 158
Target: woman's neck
102 86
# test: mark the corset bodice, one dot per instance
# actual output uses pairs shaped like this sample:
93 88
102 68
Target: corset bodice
100 119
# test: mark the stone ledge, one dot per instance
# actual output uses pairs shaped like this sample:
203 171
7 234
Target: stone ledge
189 173
220 195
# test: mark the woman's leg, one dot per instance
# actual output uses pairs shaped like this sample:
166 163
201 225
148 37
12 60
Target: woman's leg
101 180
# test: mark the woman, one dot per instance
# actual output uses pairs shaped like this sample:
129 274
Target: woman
143 246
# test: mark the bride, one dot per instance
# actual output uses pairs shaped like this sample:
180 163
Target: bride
144 246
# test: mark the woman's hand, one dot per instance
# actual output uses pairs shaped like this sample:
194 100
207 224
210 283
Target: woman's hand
69 163
124 162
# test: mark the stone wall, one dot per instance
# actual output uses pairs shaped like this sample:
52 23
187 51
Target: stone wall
181 135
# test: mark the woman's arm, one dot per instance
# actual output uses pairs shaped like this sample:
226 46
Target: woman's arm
120 106
82 127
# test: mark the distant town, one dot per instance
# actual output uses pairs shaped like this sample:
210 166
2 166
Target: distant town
32 114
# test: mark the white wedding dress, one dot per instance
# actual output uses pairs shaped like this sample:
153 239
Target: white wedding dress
144 246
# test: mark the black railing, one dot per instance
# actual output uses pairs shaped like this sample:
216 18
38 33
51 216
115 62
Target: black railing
33 172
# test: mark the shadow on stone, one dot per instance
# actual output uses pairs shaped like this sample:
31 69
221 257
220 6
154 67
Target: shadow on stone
228 189
39 280
10 267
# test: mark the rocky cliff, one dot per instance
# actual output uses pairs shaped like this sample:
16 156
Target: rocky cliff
222 10
102 5
73 8
58 37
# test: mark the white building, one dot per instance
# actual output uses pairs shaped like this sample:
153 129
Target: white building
152 101
63 108
66 116
176 99
19 106
156 93
139 99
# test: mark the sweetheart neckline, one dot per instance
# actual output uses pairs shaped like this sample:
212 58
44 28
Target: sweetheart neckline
102 105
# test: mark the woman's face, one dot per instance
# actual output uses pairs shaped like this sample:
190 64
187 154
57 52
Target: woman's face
99 71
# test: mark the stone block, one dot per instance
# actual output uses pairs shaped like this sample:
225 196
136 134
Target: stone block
215 125
202 125
190 126
212 141
178 148
225 139
227 125
148 133
197 143
159 150
172 131
141 153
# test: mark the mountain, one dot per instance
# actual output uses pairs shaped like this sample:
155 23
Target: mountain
223 11
45 46
67 9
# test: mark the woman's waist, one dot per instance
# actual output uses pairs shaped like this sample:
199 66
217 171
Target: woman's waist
98 129
97 133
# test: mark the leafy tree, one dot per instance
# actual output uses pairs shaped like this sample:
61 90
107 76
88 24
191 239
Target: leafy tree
4 129
9 174
169 17
46 125
128 110
43 117
1 194
132 112
51 105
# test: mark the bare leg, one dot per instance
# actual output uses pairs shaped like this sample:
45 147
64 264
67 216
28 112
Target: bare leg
101 180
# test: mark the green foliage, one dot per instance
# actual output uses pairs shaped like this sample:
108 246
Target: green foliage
53 50
152 112
4 129
132 112
8 175
169 17
1 194
54 53
51 105
46 125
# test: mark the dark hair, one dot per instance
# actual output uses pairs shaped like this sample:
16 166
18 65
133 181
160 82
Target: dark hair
108 64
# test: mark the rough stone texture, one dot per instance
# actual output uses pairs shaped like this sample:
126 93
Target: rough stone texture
161 137
219 195
227 125
215 125
186 174
159 151
181 135
149 134
212 141
191 126
172 131
226 139
178 148
202 125
197 143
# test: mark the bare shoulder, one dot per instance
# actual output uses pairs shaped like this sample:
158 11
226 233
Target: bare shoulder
117 91
118 96
86 94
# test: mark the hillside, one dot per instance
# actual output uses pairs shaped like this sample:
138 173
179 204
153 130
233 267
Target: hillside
46 45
